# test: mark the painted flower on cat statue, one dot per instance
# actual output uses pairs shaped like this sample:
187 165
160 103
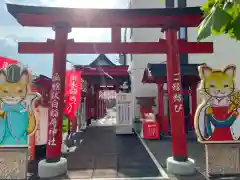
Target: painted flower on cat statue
217 118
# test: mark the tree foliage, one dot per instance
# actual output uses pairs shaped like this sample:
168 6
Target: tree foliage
220 17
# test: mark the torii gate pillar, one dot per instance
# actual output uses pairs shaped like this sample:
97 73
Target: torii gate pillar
54 165
179 163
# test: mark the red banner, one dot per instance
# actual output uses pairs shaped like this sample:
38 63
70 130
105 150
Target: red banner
4 62
72 92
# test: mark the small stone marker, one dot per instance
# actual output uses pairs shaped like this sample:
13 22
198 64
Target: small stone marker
13 163
222 159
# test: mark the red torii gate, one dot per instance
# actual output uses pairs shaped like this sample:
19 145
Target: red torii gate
63 19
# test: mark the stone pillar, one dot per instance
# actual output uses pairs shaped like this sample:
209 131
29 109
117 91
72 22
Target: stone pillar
222 159
15 165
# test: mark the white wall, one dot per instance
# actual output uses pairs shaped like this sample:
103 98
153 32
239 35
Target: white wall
139 62
226 51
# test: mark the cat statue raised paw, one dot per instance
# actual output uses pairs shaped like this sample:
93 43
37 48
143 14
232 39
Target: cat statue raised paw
217 118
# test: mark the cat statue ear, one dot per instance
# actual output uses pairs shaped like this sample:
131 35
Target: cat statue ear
3 77
24 77
230 71
204 71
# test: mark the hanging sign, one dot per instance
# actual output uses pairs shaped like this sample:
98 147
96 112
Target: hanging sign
72 92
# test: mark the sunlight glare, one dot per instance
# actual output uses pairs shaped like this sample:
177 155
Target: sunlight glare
86 34
85 3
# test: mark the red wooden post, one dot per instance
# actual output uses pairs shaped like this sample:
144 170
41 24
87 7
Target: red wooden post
179 142
92 102
163 123
88 101
101 107
97 101
105 106
116 35
32 147
53 152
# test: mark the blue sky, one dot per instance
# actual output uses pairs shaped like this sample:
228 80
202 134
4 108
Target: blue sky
11 33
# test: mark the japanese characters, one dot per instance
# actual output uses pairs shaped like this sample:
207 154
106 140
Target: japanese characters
54 114
177 96
217 117
73 91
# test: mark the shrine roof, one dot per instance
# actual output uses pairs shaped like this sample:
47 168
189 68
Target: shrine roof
158 71
102 60
94 17
42 80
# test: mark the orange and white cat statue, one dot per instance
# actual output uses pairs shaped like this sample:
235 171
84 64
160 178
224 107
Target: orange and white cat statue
217 118
17 117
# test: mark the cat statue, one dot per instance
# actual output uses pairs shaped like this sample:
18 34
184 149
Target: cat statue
217 117
17 119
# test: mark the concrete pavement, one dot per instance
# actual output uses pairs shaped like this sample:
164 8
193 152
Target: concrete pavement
102 154
108 120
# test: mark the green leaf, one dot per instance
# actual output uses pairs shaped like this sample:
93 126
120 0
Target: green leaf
236 28
205 27
228 7
207 6
65 125
220 19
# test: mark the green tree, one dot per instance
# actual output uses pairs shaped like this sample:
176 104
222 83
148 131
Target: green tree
220 17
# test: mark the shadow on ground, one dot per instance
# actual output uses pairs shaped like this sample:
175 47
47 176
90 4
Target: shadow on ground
102 154
162 150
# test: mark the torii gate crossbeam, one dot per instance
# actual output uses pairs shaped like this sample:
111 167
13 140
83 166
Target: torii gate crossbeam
122 48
